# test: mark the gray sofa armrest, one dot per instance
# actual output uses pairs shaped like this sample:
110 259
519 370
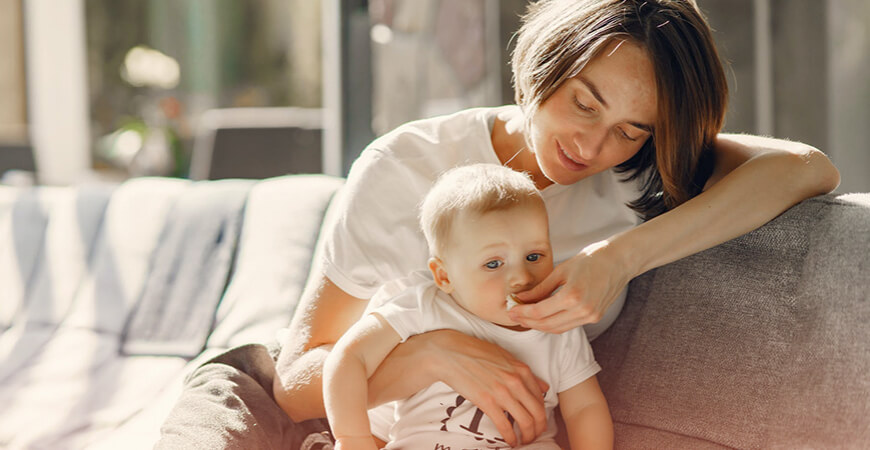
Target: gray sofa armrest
759 342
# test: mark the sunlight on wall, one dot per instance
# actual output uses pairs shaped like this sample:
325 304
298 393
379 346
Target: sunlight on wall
57 90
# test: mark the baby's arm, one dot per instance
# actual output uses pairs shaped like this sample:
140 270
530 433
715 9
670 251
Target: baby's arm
346 371
587 416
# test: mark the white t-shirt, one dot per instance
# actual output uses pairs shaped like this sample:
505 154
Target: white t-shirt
562 360
373 235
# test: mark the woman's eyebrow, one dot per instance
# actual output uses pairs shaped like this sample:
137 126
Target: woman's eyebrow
642 126
597 94
594 90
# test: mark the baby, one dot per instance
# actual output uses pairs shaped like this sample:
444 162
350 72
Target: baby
488 236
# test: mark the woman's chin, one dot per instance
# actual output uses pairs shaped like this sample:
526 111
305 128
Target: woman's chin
562 177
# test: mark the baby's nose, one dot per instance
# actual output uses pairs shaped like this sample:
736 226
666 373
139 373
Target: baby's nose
521 279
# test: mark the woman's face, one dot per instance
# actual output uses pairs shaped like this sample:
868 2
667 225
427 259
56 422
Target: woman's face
598 119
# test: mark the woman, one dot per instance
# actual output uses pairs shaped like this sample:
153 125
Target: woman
619 108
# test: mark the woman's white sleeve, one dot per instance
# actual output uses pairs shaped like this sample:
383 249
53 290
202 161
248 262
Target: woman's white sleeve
374 234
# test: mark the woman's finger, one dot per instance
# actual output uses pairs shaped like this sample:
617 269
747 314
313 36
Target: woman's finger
543 386
538 411
496 413
576 312
527 314
557 323
543 289
536 386
524 419
520 396
493 380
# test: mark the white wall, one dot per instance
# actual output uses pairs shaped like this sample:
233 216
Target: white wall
849 66
798 70
12 110
57 92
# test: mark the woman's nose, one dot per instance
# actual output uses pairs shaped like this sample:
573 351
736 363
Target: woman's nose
590 142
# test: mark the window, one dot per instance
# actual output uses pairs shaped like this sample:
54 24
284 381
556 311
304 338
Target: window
154 67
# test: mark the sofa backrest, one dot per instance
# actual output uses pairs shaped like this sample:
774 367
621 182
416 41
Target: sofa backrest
760 342
108 293
47 237
283 217
152 259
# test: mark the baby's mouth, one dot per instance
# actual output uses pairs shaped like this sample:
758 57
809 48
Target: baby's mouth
512 301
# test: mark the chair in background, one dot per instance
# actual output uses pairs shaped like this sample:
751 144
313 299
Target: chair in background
257 143
18 159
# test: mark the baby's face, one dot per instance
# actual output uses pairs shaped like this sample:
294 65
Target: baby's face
490 256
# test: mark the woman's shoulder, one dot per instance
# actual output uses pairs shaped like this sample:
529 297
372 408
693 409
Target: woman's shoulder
449 138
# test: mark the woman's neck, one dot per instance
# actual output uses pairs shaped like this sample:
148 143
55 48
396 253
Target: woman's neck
509 143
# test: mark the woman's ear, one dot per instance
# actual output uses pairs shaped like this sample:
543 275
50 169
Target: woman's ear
439 274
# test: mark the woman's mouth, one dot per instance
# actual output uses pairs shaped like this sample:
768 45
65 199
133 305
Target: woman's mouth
568 161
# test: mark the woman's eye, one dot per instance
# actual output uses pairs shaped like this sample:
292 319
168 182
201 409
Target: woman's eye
533 257
626 136
582 106
495 264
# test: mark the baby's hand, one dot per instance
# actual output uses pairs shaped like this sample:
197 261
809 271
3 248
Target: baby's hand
355 443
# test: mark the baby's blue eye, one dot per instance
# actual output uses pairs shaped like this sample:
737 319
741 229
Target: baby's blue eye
494 264
533 257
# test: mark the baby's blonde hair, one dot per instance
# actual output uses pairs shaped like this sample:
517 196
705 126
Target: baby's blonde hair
476 188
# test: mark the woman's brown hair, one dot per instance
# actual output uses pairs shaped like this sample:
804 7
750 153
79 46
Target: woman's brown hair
558 38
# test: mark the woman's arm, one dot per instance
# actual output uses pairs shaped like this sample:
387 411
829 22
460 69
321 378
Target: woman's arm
345 373
322 318
587 417
754 180
482 372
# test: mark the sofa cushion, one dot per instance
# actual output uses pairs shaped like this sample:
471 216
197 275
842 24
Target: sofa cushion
77 389
140 427
282 223
131 229
189 270
51 265
23 219
80 265
759 342
282 219
63 380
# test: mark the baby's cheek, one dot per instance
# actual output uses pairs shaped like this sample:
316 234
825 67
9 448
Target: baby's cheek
543 272
494 288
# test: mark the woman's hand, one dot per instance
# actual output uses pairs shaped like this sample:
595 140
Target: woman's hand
492 379
587 285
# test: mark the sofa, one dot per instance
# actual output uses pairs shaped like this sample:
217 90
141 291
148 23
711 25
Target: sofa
118 305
